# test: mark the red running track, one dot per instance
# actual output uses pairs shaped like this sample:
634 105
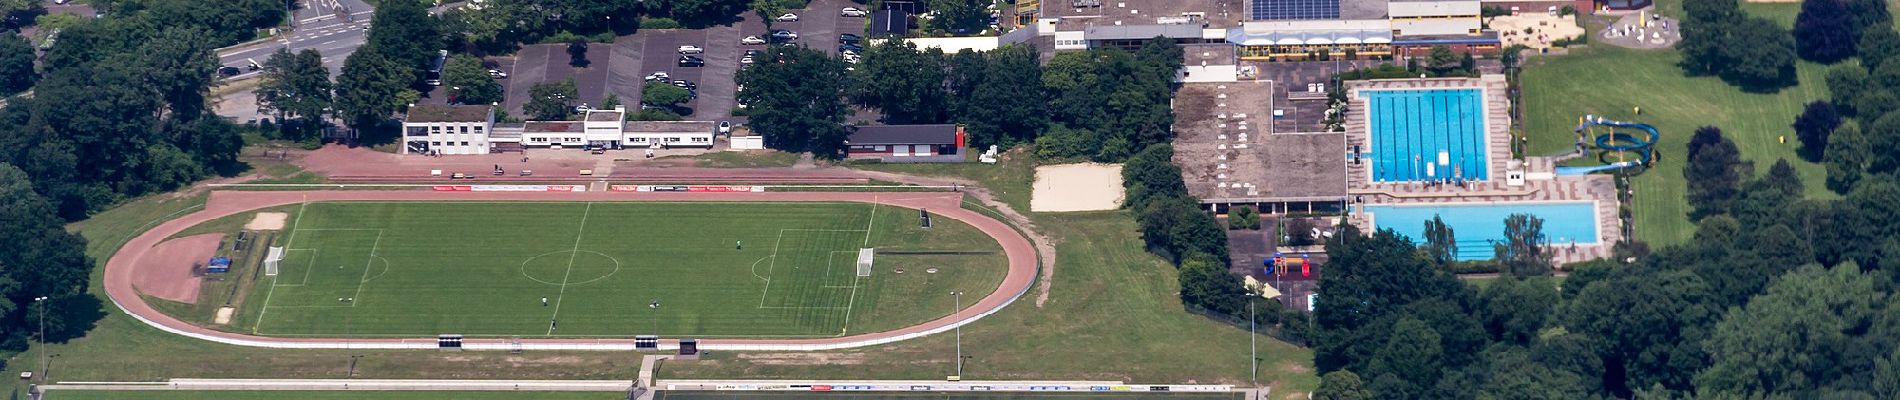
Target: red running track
123 265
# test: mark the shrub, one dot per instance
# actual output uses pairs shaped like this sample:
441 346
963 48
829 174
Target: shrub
659 23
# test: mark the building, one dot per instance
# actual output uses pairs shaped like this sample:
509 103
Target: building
1268 30
906 143
451 130
447 129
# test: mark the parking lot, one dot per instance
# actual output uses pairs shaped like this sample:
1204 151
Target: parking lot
620 68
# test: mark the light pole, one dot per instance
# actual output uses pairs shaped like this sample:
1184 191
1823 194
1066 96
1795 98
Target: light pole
955 305
42 302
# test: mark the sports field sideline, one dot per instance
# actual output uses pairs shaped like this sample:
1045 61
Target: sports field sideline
715 270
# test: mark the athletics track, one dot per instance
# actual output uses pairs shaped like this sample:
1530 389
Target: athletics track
123 265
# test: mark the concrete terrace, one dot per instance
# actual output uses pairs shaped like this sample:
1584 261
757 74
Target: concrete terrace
1540 183
1230 151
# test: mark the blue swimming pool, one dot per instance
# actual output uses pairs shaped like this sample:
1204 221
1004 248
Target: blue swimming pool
1426 134
1477 225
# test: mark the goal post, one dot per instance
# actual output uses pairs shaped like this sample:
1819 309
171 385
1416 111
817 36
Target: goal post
864 261
271 259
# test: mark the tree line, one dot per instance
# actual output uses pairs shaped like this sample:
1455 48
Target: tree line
120 110
1101 104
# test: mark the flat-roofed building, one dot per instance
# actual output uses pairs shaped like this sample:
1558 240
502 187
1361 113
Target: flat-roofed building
447 130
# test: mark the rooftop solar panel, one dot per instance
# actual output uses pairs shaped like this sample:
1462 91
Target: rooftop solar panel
1295 9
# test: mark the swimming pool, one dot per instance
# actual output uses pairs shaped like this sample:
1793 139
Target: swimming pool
1426 134
1476 225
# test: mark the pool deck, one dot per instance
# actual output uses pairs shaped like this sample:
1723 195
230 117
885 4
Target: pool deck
1541 184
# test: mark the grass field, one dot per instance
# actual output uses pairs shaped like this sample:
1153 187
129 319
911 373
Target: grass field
1610 81
482 269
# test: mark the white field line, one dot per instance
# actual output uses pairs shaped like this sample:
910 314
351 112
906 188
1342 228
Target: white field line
571 255
366 267
273 280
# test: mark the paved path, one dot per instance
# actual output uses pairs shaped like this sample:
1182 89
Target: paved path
124 264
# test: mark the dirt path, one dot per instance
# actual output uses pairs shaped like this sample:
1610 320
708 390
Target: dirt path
123 268
1045 247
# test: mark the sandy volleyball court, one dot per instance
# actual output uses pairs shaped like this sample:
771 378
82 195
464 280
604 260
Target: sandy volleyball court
1077 187
267 221
1543 28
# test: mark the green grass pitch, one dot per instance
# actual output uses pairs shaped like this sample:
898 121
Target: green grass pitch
782 270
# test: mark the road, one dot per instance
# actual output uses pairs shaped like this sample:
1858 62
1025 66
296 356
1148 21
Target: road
335 28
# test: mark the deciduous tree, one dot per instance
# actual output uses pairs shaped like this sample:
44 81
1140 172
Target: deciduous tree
469 83
295 85
1823 31
1714 172
905 83
1846 156
16 64
798 103
1522 251
1342 385
1813 126
551 101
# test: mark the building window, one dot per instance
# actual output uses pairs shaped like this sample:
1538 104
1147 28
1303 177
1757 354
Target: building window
478 129
878 148
538 140
672 140
637 140
464 143
435 143
699 140
418 131
464 129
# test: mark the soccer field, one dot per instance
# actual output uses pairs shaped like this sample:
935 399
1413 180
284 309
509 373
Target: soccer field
615 269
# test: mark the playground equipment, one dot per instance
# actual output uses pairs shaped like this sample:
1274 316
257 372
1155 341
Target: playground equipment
1615 142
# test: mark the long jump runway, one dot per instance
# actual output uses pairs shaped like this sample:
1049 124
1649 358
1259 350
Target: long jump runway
121 268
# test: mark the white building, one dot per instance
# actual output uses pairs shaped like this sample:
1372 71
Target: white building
472 130
447 129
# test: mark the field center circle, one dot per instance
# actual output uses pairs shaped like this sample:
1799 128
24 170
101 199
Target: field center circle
569 267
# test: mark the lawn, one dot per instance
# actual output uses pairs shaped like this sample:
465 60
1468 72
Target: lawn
321 395
366 269
1609 81
742 159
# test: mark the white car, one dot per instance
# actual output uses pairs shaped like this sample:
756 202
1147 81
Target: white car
747 60
725 126
659 76
752 41
691 49
852 12
788 17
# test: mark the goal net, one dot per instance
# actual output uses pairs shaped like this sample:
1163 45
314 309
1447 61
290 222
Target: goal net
275 255
864 261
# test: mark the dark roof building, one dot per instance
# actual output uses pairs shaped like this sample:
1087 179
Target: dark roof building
906 143
889 23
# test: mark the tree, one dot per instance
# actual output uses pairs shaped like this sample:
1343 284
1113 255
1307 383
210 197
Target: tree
1205 283
1515 309
295 85
38 257
996 110
664 95
1791 340
1468 64
1412 355
1869 13
1151 174
469 82
1522 252
1646 327
1821 31
1341 385
1883 133
1704 34
1846 157
1847 82
611 101
769 10
1877 44
406 34
577 53
1714 172
701 13
797 104
959 16
551 101
1441 61
370 88
1813 126
16 65
1767 64
1061 142
1441 244
903 82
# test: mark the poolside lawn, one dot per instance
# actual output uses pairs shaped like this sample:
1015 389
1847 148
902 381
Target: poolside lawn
1610 82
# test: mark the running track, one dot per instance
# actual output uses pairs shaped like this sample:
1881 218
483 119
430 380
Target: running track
120 268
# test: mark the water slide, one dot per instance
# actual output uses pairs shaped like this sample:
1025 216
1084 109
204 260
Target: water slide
1614 141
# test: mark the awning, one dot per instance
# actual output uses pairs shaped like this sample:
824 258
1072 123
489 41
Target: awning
1241 37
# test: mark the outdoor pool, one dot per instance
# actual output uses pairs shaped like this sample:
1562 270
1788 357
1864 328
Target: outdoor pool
1426 134
1476 225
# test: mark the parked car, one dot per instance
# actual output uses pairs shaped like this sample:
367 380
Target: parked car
691 61
752 41
691 49
583 107
725 126
497 74
784 35
686 84
788 17
229 71
659 76
845 48
747 60
852 12
755 53
849 38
